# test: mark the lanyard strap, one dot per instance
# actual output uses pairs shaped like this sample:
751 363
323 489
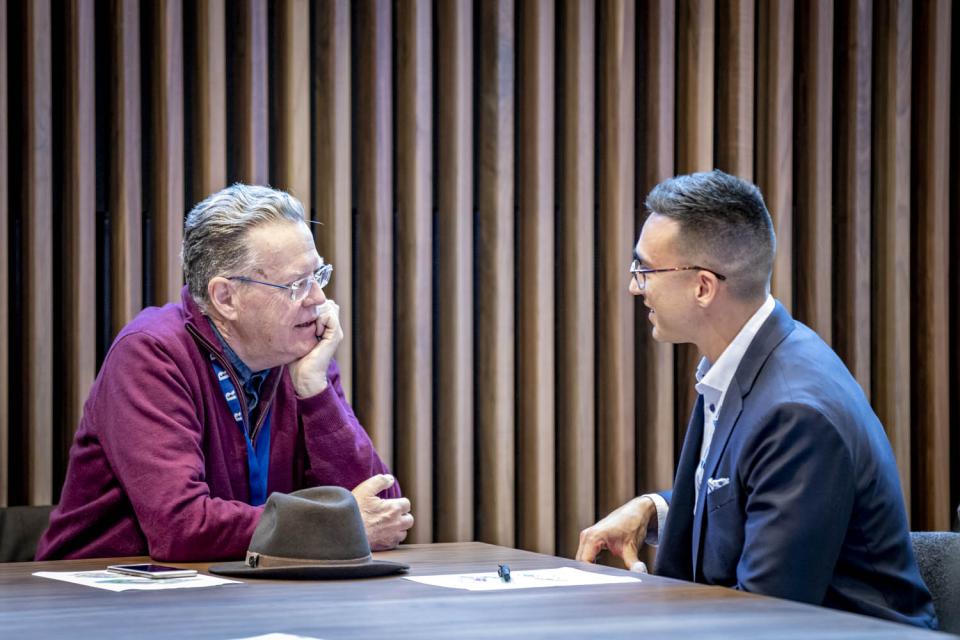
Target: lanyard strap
258 454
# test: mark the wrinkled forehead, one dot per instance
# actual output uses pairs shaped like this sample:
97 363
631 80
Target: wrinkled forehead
283 249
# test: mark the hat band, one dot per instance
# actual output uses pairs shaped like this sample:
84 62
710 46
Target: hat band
256 560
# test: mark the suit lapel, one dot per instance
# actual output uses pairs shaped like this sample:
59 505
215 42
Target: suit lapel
673 555
729 414
774 329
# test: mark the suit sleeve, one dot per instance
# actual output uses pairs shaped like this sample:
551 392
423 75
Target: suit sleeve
797 474
339 451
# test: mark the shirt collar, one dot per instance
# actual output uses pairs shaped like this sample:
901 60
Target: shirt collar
243 371
713 380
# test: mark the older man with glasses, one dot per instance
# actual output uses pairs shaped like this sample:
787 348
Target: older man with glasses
203 408
786 485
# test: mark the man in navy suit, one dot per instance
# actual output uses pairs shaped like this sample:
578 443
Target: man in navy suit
787 485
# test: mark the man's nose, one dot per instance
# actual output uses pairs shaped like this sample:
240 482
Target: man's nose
315 296
634 288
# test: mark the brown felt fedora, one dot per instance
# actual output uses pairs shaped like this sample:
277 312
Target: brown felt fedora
311 534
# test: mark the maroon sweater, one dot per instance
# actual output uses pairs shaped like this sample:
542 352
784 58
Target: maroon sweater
159 466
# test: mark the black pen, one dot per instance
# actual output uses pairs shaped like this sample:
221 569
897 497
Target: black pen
504 572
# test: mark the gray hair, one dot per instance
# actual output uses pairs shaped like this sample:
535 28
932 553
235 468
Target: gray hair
215 232
724 226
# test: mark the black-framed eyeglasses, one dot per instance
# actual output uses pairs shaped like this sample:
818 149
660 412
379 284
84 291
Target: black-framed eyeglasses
640 273
299 289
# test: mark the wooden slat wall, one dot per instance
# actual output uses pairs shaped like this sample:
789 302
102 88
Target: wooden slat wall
775 134
536 370
495 259
478 172
78 188
813 167
616 231
413 400
166 130
209 100
5 248
930 252
373 385
36 366
892 370
851 204
331 168
126 180
292 108
576 291
454 389
249 149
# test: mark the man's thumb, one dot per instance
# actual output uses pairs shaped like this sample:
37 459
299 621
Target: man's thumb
373 485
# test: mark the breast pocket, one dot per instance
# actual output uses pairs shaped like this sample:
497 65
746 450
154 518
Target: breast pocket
719 498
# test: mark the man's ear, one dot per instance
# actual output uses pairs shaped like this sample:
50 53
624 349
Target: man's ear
707 288
223 297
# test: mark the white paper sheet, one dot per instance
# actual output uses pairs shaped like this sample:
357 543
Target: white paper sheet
519 579
119 582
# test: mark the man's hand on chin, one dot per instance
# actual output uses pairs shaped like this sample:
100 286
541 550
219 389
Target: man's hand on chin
309 373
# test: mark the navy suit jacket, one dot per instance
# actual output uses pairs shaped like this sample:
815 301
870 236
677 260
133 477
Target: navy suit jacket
813 509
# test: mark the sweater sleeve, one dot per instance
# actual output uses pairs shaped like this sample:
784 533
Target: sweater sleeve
339 451
150 426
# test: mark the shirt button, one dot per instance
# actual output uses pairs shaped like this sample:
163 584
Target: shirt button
713 408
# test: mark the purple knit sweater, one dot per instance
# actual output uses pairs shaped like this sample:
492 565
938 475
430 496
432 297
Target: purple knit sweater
159 466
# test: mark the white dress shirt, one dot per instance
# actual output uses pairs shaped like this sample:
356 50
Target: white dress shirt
712 383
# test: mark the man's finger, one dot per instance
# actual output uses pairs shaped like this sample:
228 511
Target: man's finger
630 554
589 548
374 485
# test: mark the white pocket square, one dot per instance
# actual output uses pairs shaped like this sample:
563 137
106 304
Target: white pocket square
716 483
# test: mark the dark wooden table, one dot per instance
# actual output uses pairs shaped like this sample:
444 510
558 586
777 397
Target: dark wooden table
391 607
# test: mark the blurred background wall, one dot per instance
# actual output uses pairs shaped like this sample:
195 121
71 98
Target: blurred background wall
479 170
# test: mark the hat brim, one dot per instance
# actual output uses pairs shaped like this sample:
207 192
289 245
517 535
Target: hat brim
370 569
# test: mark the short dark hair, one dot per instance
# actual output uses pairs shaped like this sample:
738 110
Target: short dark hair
724 226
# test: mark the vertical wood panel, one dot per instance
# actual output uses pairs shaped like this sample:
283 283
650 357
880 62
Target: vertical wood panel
735 87
932 509
414 421
851 293
166 181
495 270
616 235
454 312
374 332
814 204
891 230
695 132
4 271
695 92
126 186
209 100
537 264
293 101
249 132
774 136
331 172
37 189
576 505
655 163
79 221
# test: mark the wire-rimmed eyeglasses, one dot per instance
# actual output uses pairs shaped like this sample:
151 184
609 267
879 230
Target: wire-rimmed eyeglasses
299 289
640 273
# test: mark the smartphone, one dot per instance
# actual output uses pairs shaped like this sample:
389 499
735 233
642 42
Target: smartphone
152 571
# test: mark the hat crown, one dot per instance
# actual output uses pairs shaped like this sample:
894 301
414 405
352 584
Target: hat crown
319 523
